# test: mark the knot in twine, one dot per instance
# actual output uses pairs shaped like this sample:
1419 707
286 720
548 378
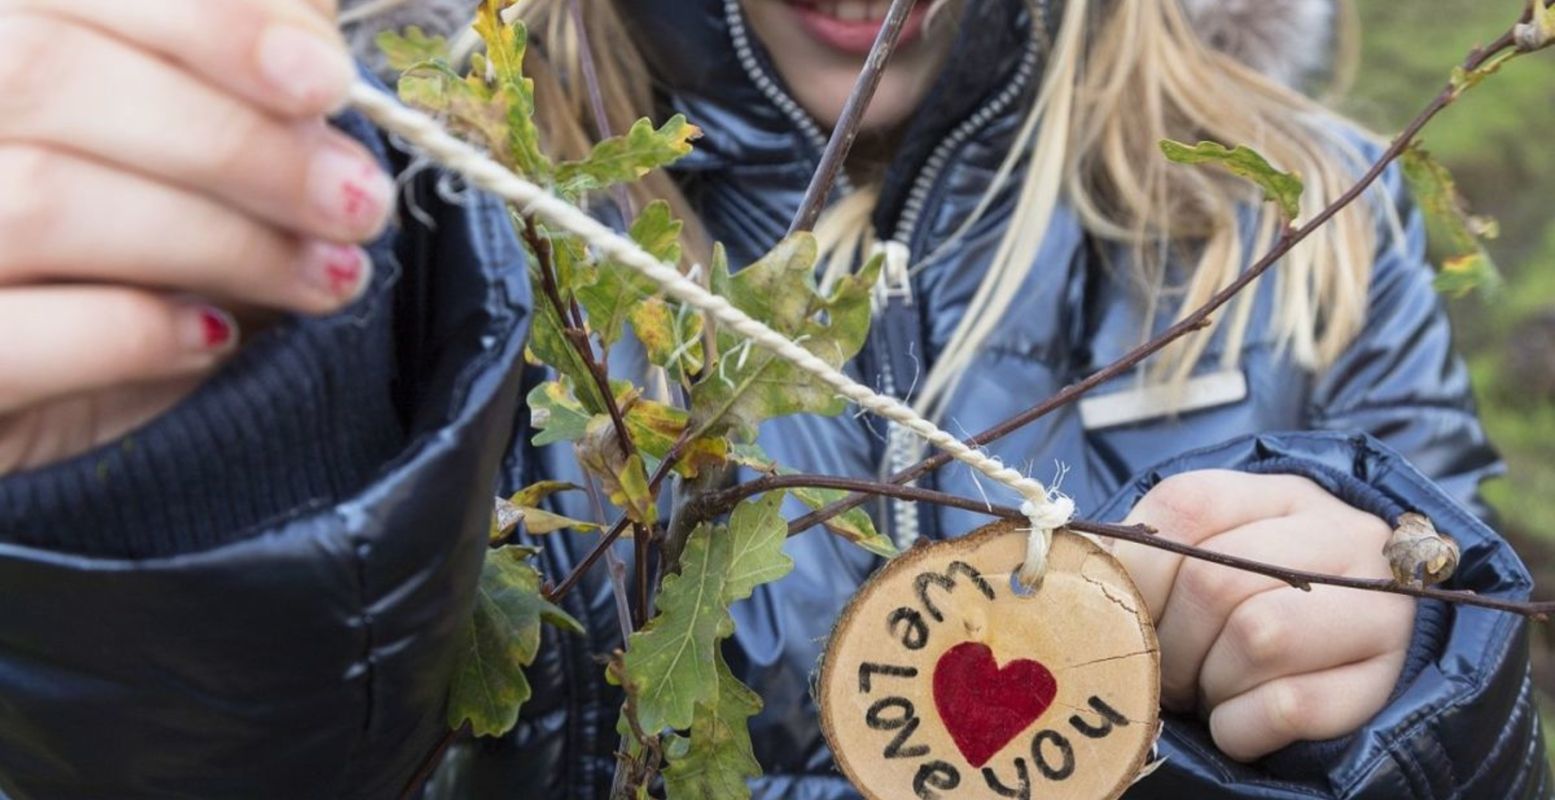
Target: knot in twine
1047 512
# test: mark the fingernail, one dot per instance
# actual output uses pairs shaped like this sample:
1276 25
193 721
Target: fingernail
305 67
337 270
351 189
208 329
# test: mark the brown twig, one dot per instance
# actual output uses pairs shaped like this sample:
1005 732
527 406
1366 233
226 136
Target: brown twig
845 133
577 334
654 483
720 502
430 763
1199 318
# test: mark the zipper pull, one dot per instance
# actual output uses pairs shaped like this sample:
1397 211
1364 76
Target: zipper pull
895 285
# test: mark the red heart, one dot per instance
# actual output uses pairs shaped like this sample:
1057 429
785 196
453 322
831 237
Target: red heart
985 707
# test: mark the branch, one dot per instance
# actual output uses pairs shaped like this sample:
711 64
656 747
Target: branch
654 483
578 336
1139 534
430 764
846 130
1199 318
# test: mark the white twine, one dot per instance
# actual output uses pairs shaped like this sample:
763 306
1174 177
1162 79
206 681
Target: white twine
1047 510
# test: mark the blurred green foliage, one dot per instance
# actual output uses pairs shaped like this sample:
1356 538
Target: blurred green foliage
1496 141
1493 141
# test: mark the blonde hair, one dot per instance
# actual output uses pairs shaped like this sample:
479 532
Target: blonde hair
1121 75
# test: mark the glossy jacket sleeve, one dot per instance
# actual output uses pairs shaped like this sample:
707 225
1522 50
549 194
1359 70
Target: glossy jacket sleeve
1462 721
197 611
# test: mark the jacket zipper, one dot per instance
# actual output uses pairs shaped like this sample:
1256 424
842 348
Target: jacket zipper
895 310
735 18
894 307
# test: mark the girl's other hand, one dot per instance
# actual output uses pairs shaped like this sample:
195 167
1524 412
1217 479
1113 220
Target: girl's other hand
1268 665
164 167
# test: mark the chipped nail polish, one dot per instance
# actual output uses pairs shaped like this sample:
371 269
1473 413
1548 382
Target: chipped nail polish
338 270
351 189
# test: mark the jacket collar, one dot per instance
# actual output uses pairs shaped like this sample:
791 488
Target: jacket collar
713 67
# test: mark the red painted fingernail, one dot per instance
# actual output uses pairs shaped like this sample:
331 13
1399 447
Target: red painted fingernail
207 329
338 270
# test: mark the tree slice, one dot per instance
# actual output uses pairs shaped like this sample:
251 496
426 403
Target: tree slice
944 680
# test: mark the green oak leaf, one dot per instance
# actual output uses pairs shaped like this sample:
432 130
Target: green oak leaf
618 289
748 384
413 48
1281 188
556 414
1456 235
498 641
549 343
855 524
625 159
670 662
716 760
757 532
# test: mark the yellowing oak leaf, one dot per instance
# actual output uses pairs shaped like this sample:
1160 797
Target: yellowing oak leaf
524 508
1455 234
623 477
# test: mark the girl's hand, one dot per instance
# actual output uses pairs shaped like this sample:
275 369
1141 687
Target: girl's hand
164 168
1268 665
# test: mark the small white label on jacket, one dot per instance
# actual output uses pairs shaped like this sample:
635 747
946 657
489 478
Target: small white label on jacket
1149 402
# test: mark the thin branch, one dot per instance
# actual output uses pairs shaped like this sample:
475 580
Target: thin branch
641 540
845 133
578 336
623 198
611 536
430 764
1199 318
1138 534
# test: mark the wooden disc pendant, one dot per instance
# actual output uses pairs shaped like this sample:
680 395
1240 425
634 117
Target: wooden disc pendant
944 679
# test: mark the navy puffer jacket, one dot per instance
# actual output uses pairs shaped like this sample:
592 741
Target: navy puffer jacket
257 594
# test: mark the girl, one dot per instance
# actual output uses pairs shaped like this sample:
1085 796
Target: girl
242 543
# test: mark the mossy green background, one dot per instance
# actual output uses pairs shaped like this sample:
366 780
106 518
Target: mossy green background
1498 143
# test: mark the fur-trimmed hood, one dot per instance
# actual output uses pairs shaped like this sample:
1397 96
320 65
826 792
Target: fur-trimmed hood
1288 40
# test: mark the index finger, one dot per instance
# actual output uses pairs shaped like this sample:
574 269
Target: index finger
1192 507
284 55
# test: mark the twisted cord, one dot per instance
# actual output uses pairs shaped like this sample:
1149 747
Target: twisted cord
1047 510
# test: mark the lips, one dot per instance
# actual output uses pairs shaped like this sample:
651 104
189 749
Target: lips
851 26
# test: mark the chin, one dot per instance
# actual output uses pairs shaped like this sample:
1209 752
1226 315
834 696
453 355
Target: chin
823 96
820 46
